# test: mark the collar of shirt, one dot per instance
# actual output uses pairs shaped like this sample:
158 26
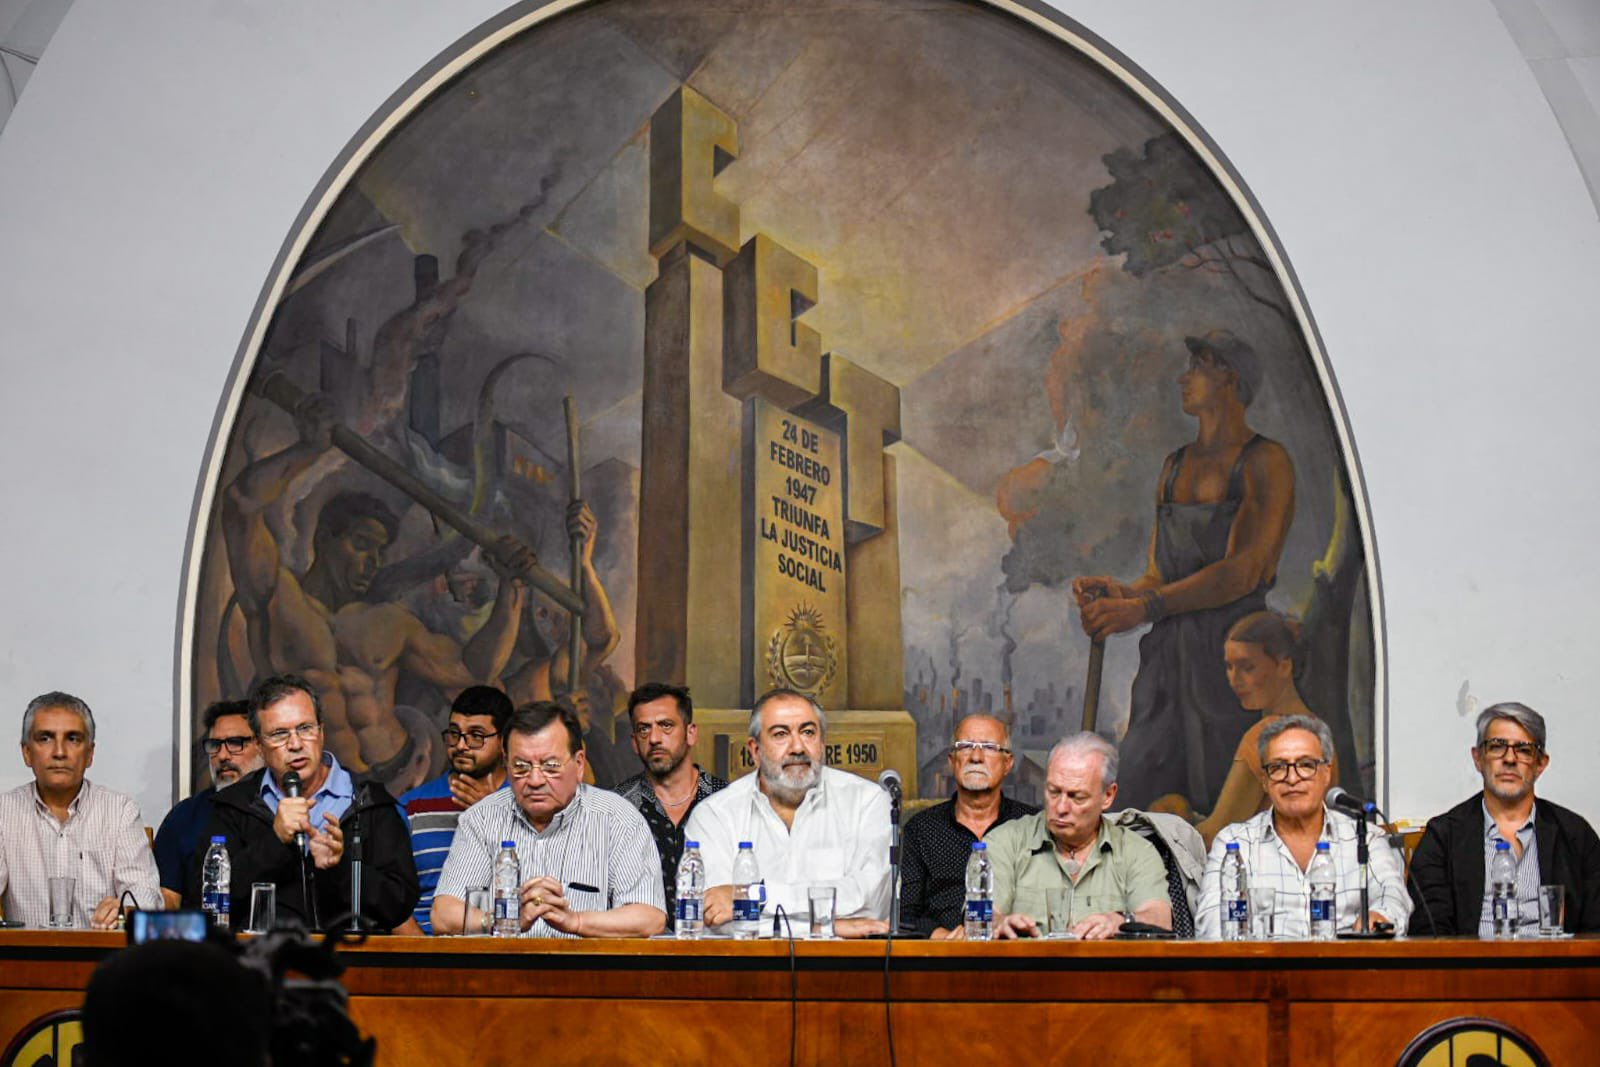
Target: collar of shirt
1041 840
1332 829
337 786
816 797
644 792
72 806
1491 829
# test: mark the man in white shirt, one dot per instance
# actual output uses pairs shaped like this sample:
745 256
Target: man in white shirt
62 825
1278 844
810 825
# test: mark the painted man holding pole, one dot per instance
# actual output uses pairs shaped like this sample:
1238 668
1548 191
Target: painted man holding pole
1223 508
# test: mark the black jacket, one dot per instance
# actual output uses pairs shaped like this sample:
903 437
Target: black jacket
1447 868
389 887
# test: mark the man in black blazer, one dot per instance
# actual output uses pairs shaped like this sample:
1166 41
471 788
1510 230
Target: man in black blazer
1553 846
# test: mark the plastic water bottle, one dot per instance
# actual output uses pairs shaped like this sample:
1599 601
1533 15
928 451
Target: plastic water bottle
216 883
980 894
1503 891
691 896
507 891
1235 895
1321 877
748 893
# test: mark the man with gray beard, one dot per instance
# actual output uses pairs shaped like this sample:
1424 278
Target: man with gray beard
810 825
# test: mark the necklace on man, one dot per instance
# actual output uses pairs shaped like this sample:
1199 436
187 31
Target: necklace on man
693 788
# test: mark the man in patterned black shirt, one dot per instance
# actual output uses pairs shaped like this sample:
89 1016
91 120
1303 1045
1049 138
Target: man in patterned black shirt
662 720
937 843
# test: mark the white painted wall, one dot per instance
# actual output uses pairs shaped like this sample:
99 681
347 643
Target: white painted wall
1414 173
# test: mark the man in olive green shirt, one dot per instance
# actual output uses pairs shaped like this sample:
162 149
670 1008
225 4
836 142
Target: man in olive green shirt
1112 873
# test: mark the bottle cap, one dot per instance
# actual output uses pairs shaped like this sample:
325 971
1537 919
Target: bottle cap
1499 846
691 844
745 844
219 840
1233 846
979 846
1322 846
508 844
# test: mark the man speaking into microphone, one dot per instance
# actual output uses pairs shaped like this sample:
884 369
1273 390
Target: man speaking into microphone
288 822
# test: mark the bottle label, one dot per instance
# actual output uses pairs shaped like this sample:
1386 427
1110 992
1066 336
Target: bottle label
215 902
1321 911
505 906
980 911
688 910
1238 911
747 909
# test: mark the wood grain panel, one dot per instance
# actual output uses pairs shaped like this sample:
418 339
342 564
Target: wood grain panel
1360 1035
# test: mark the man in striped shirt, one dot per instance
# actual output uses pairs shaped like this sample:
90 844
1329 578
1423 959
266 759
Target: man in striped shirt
475 740
589 864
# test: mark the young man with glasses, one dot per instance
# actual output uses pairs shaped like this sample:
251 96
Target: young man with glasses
1278 844
937 843
475 743
301 842
589 866
1552 845
232 753
671 784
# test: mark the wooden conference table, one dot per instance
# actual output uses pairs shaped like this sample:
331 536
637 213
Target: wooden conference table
481 1002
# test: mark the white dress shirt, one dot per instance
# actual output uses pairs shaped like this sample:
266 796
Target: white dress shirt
102 845
840 837
1269 862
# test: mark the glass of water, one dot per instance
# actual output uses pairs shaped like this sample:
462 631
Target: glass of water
823 899
1263 912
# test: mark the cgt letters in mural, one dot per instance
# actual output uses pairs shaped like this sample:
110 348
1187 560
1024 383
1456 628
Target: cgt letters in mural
896 352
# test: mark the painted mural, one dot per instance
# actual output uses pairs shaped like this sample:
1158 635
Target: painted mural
874 349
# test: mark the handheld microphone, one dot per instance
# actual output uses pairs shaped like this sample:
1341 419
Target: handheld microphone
291 786
1340 800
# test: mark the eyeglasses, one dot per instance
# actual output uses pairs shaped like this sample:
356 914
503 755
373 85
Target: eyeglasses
988 748
1496 748
234 745
306 731
474 738
1278 770
521 768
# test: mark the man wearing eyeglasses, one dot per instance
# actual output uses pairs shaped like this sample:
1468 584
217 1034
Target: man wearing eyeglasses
1552 845
937 843
589 866
232 753
1279 843
671 784
475 742
264 825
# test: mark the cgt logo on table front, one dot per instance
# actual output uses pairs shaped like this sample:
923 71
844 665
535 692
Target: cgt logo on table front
1472 1042
53 1040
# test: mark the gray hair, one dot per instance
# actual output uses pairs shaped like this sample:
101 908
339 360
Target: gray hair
67 701
774 694
1280 725
1085 741
1520 714
1004 727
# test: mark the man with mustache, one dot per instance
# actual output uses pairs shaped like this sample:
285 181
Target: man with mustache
264 824
1551 844
232 752
810 825
475 740
671 784
61 825
938 842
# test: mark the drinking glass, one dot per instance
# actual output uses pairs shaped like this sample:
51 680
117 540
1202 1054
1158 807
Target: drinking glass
1058 906
1263 912
1552 910
61 903
263 907
823 899
478 898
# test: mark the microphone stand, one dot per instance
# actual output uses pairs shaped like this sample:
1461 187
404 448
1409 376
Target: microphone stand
357 923
1363 856
894 859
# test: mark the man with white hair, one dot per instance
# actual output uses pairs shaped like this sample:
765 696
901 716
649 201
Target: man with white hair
1112 874
1552 845
61 825
810 825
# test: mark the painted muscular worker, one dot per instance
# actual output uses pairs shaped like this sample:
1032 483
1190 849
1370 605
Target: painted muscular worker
320 624
1223 509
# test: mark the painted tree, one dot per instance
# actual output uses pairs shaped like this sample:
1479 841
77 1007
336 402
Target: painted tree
1164 209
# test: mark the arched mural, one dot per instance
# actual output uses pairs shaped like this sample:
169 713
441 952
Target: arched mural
833 343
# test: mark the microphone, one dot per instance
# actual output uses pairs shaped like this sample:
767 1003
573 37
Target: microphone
291 786
890 779
1340 800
